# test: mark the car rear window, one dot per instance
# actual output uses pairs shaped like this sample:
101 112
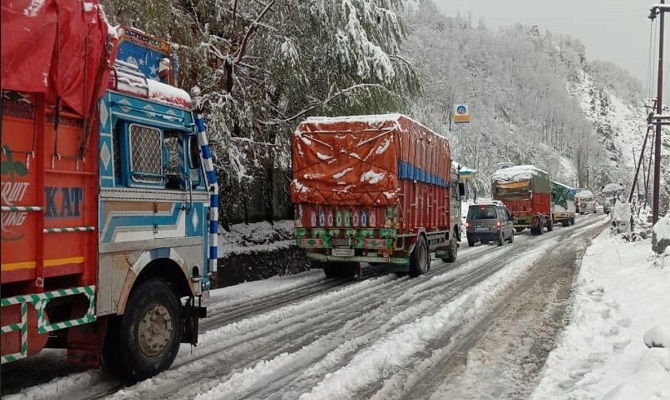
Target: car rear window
482 212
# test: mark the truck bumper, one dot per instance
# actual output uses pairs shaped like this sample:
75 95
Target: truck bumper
490 236
368 259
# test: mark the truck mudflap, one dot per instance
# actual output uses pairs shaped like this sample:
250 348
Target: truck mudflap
191 313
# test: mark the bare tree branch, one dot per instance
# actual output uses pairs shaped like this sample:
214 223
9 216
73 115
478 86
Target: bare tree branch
250 30
314 104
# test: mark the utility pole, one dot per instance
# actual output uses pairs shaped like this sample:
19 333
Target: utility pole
655 10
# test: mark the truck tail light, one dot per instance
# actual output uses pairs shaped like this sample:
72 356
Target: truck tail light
467 225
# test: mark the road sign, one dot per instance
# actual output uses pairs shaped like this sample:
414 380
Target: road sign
461 113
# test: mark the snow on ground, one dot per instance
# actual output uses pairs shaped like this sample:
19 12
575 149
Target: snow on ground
616 344
620 301
261 236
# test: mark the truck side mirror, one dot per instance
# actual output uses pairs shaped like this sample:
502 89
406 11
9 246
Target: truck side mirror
461 188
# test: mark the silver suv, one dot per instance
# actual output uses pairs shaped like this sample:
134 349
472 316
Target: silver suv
490 221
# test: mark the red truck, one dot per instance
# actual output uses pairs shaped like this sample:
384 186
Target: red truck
526 191
109 198
378 189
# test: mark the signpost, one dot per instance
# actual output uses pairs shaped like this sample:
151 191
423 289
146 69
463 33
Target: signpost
461 113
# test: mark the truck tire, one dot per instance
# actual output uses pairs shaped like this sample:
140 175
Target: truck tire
471 243
550 227
147 336
419 259
572 220
519 229
452 252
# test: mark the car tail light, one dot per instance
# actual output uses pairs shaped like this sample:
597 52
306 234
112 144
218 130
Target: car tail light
498 224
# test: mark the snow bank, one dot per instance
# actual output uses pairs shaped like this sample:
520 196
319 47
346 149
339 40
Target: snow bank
619 303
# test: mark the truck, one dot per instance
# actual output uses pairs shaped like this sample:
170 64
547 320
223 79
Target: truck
585 202
526 191
378 189
109 197
563 198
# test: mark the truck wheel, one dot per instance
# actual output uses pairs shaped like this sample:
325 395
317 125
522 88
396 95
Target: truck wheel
149 332
471 243
500 240
452 252
572 221
418 261
540 227
550 227
519 229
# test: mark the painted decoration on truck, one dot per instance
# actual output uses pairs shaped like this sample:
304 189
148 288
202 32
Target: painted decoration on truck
14 190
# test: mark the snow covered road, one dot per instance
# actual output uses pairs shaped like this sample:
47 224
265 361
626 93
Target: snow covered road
479 328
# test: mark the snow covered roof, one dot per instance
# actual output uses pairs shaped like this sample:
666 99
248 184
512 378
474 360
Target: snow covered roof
612 187
167 94
584 193
517 173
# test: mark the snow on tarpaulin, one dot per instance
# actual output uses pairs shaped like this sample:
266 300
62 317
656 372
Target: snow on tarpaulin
517 173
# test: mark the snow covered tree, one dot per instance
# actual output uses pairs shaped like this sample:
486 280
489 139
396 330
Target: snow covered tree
262 66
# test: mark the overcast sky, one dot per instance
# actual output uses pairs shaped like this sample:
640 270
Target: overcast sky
611 30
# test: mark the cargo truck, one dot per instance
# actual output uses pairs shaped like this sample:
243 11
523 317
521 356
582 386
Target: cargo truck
109 198
526 191
563 198
378 189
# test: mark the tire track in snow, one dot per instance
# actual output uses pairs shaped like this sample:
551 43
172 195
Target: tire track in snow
278 334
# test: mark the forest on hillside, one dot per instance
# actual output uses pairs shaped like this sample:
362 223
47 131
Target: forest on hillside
263 66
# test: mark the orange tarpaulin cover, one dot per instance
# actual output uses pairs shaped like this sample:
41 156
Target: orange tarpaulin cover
57 47
360 160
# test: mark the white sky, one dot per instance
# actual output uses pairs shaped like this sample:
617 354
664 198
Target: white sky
612 30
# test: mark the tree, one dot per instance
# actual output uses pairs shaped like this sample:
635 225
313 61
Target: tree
263 66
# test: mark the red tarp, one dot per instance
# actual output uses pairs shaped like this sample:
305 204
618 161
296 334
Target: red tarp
57 47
